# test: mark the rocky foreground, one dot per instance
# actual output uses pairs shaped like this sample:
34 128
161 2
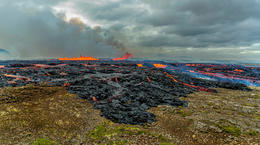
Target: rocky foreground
42 114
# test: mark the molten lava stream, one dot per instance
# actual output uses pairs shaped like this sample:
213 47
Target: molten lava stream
17 77
79 58
139 65
191 86
159 65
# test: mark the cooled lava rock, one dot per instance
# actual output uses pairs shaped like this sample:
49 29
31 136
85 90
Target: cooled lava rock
122 91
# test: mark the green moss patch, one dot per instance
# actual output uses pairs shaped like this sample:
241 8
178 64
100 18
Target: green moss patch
252 133
185 113
119 134
165 143
232 130
44 141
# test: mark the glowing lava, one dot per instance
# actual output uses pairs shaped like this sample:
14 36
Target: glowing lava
17 77
126 56
48 66
239 70
79 58
159 65
139 65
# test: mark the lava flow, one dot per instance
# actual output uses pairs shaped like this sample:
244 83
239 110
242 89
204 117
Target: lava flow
159 65
126 56
124 90
79 58
89 58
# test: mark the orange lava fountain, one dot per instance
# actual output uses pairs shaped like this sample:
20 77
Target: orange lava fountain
126 56
79 58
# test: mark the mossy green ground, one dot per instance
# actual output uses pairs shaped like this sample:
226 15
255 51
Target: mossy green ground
50 115
252 133
44 141
232 130
110 133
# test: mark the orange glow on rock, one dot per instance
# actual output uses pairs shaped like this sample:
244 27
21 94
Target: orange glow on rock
47 66
139 65
239 70
159 65
126 56
79 58
17 77
171 77
148 79
94 99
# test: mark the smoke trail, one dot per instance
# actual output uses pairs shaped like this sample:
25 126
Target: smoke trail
39 33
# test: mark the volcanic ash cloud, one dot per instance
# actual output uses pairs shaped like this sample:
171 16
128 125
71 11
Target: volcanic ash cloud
31 33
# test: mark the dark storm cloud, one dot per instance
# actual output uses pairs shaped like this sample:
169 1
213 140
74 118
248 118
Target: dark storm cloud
31 32
166 41
227 29
211 23
199 24
202 12
111 11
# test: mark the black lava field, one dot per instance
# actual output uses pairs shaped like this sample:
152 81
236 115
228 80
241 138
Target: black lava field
125 90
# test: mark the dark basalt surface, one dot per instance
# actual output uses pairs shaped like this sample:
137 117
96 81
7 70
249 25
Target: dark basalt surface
122 91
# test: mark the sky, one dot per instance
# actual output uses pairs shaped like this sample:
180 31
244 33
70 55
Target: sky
188 30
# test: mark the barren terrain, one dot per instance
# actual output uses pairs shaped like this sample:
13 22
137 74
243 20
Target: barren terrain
41 114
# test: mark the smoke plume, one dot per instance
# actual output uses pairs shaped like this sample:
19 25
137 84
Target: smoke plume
31 33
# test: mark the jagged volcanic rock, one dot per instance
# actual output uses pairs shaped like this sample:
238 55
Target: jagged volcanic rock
122 91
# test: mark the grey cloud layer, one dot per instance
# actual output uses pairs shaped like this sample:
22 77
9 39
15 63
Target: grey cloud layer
31 32
210 23
169 29
175 24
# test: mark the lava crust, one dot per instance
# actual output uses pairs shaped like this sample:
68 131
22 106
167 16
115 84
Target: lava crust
122 91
